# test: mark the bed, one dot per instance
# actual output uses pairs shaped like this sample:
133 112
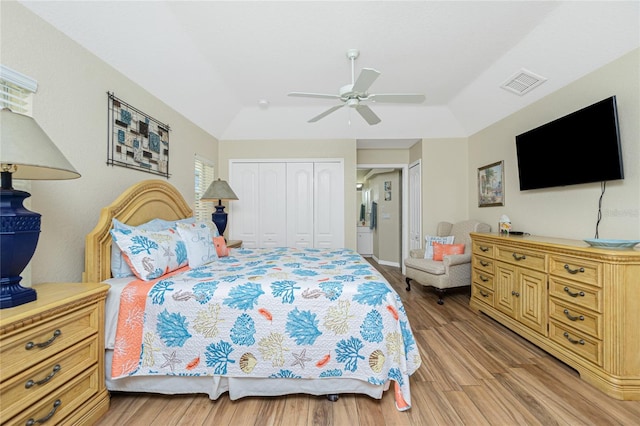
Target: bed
258 322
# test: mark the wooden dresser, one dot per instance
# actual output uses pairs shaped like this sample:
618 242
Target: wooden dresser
580 304
52 356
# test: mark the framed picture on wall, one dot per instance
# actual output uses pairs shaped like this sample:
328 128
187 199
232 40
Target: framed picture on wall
491 185
387 185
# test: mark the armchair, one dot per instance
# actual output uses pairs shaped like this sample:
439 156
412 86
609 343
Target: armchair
454 270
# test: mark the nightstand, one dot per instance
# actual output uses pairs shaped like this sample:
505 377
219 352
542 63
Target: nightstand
52 356
234 243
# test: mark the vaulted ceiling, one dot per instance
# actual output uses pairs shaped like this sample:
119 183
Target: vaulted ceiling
214 61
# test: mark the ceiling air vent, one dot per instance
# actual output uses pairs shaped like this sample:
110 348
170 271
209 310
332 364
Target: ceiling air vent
523 82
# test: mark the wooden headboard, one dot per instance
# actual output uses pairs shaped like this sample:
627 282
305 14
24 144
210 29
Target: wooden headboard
140 203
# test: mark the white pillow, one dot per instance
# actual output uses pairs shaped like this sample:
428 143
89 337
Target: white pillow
428 244
198 237
151 254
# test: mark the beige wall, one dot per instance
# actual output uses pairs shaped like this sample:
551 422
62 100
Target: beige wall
71 106
571 211
383 156
284 149
387 234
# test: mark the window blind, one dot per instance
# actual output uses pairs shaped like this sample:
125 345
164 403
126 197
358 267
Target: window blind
16 91
203 171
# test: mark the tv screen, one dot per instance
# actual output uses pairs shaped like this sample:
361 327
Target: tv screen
581 147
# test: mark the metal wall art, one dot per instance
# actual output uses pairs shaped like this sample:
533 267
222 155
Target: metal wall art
136 140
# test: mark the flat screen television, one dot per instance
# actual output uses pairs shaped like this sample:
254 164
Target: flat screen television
581 147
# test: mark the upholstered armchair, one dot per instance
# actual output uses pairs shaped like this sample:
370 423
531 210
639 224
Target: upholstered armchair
453 270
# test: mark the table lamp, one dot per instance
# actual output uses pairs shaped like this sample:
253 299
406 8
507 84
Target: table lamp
26 152
219 190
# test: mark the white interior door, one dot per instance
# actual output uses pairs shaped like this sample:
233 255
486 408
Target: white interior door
415 206
244 178
329 205
272 214
300 205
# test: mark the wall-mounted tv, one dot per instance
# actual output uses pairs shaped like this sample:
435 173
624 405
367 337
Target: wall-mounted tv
581 147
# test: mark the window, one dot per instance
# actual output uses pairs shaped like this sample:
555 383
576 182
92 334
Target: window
203 172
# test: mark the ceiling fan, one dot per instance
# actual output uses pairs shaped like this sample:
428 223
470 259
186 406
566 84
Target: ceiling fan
354 94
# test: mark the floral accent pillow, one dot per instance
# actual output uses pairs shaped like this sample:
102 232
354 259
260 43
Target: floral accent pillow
428 244
151 254
441 250
198 238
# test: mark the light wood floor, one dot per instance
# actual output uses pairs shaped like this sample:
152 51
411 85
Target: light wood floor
474 372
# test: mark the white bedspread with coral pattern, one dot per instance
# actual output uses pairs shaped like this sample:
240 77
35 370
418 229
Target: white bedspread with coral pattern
269 313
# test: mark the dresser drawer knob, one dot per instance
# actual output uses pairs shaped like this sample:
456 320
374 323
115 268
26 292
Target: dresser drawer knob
516 256
483 263
483 278
56 404
571 317
575 342
581 294
483 294
484 249
31 383
573 271
515 293
32 345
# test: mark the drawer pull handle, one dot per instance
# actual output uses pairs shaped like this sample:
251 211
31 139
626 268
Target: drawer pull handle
575 342
31 383
483 263
517 257
515 293
484 249
571 317
573 271
483 278
483 294
581 294
56 404
32 345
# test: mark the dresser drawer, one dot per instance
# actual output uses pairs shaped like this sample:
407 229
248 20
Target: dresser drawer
36 383
482 294
482 278
482 249
577 342
53 336
525 258
576 294
63 401
578 318
482 264
580 270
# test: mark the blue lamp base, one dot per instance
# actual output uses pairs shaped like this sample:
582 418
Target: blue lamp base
19 233
219 217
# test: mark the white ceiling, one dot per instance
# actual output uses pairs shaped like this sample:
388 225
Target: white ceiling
214 60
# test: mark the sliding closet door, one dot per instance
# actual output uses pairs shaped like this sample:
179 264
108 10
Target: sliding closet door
272 214
244 178
300 205
329 205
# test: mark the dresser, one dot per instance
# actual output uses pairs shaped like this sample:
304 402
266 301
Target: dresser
52 356
578 303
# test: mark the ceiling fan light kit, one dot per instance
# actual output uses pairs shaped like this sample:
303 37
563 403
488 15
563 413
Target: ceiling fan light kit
352 95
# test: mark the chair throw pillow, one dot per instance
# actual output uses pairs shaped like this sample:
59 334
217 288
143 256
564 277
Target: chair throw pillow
428 244
440 250
198 238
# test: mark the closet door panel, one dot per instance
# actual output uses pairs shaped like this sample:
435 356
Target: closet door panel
272 213
300 205
243 221
329 205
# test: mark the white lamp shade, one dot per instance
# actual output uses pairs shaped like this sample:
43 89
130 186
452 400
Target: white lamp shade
25 145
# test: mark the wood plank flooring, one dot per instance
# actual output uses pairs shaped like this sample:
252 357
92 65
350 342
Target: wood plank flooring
474 372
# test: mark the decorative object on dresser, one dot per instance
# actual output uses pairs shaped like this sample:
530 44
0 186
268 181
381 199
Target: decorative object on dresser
578 303
52 356
452 270
27 153
219 190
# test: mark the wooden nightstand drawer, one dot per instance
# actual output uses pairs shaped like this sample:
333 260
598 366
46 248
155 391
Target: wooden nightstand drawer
577 342
36 383
62 402
54 336
482 294
524 258
580 270
482 249
482 278
576 294
482 263
576 317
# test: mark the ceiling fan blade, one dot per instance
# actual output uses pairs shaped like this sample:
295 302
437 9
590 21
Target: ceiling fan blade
365 80
398 98
324 114
368 115
313 95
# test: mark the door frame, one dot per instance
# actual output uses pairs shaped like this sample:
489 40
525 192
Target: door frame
405 204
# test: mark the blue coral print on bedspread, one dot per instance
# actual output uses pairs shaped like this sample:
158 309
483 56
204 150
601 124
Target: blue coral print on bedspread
294 313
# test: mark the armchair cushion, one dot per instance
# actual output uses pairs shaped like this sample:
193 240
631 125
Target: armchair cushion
426 265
